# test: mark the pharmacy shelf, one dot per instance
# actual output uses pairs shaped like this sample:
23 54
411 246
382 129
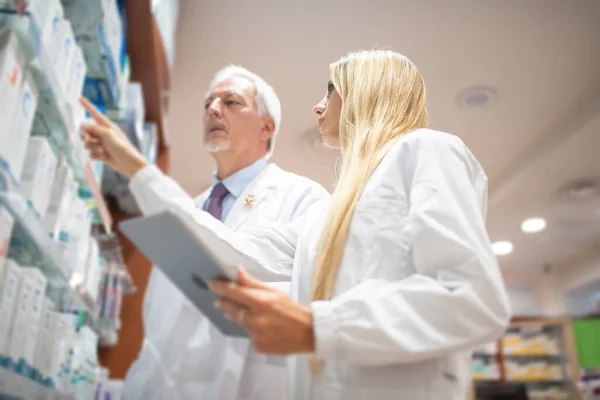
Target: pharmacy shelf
480 354
47 80
532 356
43 250
539 381
13 386
487 379
524 356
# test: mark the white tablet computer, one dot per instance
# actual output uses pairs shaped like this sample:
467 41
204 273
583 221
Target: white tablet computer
189 259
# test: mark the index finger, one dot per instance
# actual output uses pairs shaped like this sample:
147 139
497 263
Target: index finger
94 112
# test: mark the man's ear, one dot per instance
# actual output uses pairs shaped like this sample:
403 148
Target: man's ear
268 128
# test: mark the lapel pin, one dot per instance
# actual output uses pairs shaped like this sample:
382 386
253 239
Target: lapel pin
249 201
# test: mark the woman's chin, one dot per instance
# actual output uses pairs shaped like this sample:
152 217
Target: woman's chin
331 142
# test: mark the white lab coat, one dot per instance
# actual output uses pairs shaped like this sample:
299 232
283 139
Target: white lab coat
418 287
183 355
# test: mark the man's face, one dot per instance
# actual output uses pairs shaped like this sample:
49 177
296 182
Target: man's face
232 122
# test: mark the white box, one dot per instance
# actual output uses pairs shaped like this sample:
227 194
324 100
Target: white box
63 186
66 334
50 21
38 176
92 273
46 338
59 347
17 337
79 114
79 238
22 123
80 152
59 351
7 222
12 61
65 55
39 284
10 287
77 74
32 316
42 12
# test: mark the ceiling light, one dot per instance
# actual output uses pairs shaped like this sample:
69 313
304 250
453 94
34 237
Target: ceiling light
502 248
476 97
533 225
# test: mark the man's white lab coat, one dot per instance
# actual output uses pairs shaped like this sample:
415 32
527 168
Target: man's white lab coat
183 356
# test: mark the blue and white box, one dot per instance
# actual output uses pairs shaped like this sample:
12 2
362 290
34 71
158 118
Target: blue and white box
12 71
22 123
38 175
10 287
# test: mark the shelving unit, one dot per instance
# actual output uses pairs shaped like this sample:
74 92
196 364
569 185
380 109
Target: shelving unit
68 135
148 67
537 352
13 386
68 265
44 251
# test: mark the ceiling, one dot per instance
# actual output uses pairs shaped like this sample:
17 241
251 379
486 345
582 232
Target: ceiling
540 57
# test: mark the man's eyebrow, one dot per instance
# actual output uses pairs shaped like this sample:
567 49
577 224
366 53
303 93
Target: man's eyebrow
226 95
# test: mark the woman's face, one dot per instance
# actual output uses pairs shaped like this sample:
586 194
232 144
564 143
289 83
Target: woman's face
328 111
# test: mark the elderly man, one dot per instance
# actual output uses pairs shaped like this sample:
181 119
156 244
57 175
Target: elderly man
183 355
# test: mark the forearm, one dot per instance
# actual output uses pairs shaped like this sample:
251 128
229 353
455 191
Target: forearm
272 248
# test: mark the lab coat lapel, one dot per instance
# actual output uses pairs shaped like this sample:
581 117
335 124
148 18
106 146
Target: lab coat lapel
257 191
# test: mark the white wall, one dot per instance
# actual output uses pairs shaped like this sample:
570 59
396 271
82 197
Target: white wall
581 274
571 290
523 299
167 14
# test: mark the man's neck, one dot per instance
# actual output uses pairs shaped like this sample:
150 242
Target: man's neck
227 165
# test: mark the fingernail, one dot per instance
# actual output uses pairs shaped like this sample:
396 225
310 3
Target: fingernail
218 304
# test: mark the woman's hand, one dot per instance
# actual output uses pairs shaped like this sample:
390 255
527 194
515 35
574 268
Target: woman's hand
275 322
106 142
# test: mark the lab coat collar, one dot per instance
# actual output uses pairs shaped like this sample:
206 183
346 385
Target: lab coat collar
258 190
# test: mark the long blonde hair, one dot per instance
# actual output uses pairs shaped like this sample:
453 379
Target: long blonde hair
383 97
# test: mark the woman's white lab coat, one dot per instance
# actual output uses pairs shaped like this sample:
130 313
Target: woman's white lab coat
418 287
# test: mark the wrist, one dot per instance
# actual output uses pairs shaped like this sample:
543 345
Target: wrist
135 164
308 331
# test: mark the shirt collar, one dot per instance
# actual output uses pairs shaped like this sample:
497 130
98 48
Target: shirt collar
237 182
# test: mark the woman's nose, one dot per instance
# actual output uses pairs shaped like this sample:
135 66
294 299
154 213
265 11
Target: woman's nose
319 109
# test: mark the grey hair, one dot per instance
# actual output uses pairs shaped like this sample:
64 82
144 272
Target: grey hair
267 101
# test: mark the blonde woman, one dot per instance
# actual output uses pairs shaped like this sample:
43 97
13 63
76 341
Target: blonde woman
394 280
401 282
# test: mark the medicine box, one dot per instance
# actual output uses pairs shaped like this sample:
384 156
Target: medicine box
10 287
38 175
17 341
22 123
12 61
6 228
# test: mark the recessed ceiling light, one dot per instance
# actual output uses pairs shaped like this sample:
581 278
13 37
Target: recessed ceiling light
502 248
476 97
533 225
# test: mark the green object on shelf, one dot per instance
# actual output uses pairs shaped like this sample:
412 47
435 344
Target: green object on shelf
587 340
83 318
